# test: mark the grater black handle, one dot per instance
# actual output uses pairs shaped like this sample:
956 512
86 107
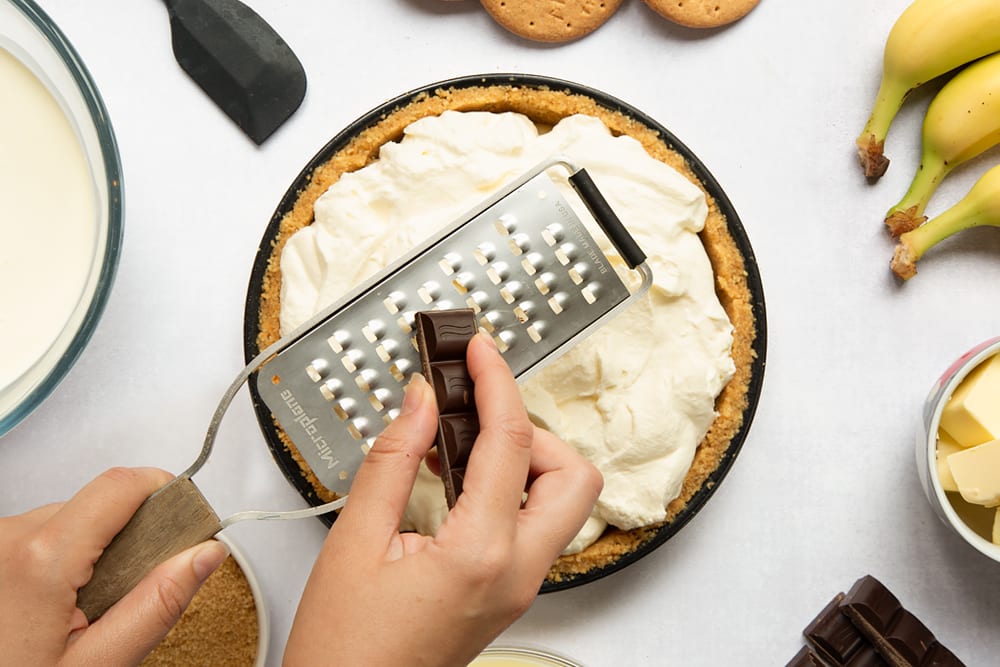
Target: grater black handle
607 219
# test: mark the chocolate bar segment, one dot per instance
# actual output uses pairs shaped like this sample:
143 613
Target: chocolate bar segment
909 638
873 603
442 339
833 634
896 633
805 658
446 333
456 436
835 638
452 386
866 657
940 655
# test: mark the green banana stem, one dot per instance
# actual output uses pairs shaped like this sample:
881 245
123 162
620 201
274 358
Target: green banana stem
871 142
979 208
908 214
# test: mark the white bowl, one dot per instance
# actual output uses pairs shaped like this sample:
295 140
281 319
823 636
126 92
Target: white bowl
263 626
521 656
926 444
62 244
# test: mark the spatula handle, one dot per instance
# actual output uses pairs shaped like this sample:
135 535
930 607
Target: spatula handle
173 519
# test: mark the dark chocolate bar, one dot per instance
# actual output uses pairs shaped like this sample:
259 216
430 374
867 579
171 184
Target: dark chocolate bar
838 641
896 633
868 627
442 339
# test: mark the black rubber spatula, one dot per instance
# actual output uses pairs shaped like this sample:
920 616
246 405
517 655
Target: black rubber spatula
239 60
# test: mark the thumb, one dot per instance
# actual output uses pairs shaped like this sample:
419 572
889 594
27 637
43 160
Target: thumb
384 481
134 626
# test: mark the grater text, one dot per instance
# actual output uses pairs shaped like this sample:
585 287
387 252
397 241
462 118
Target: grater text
308 424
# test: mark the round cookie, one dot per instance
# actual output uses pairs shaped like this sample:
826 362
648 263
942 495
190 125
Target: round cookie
551 20
702 13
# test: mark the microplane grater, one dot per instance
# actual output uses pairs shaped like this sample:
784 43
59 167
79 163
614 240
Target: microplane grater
523 261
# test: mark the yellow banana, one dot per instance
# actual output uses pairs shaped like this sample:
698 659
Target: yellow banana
980 207
962 121
931 37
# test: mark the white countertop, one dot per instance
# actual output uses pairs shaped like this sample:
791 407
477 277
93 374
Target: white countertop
825 489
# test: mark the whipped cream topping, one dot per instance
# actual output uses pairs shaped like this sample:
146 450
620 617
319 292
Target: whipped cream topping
638 395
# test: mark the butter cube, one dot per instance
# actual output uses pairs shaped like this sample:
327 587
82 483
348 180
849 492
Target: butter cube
946 446
977 473
996 528
972 414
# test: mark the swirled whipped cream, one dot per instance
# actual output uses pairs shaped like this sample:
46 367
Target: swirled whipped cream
638 395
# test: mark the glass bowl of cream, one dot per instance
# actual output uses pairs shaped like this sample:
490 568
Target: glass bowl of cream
61 194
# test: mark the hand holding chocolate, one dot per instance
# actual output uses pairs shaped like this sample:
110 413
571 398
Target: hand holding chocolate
462 600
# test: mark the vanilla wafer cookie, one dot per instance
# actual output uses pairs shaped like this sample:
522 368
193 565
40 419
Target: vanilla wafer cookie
551 20
702 13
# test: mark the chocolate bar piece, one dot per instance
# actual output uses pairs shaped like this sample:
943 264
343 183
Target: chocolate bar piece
442 338
869 627
805 658
866 657
838 641
896 633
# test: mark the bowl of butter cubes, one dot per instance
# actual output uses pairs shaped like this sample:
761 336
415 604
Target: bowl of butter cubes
958 449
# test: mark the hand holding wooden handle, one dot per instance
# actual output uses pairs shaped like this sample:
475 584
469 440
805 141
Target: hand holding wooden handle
173 519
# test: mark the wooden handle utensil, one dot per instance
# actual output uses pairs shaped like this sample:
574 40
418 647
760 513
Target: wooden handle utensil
173 519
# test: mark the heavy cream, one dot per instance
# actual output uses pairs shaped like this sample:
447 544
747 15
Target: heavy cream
636 397
48 221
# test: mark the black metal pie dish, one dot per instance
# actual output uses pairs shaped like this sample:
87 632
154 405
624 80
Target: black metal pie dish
652 537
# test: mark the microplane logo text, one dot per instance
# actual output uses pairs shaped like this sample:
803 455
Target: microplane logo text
301 417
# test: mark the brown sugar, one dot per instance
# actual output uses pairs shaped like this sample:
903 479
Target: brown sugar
219 628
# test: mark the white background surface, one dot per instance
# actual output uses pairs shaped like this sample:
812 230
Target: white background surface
825 488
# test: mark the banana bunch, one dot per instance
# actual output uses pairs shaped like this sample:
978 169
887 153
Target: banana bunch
930 38
981 206
962 121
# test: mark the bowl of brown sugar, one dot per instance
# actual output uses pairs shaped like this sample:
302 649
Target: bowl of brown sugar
225 624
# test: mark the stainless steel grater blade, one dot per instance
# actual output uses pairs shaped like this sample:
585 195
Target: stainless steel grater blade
523 261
